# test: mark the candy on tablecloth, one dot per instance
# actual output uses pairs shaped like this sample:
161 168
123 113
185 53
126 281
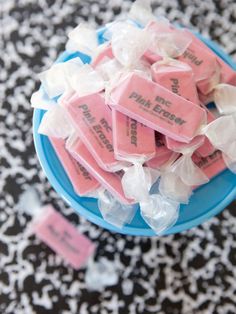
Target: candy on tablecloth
92 118
158 108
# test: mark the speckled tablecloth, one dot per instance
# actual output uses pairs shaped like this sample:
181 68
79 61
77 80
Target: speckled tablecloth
192 272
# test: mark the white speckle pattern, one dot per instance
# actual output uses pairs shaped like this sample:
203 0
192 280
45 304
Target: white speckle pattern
192 272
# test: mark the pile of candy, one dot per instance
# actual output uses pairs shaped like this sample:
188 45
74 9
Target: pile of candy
132 127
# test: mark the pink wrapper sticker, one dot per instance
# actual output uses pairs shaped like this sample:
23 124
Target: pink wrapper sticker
210 165
132 140
93 120
110 181
177 77
82 181
62 237
158 108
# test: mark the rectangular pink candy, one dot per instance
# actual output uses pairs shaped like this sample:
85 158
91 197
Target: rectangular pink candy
82 181
210 165
62 237
93 121
228 75
110 181
202 61
131 139
177 77
158 108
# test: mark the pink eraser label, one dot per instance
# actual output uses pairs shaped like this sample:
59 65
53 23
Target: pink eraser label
202 62
132 139
177 77
83 182
63 238
158 108
228 75
93 120
210 165
110 181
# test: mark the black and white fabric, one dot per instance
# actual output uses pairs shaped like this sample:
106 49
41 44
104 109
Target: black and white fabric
192 272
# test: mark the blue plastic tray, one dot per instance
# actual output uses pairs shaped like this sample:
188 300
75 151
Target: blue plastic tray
206 202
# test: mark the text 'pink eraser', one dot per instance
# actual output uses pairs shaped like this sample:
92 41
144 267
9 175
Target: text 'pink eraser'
110 181
132 139
62 237
93 121
82 181
158 108
177 77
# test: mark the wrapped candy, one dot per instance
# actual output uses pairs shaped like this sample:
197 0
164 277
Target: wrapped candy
83 38
177 77
135 143
69 76
110 181
40 100
216 79
158 108
178 178
132 140
83 182
166 41
56 123
129 43
93 121
141 12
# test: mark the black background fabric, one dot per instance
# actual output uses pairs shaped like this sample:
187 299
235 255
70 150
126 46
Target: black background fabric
191 272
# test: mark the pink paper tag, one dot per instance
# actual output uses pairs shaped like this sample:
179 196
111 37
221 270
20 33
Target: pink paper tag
62 237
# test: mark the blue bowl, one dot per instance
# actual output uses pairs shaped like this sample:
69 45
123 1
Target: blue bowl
206 202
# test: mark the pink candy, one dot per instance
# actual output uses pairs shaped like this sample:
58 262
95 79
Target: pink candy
177 77
110 181
158 108
210 165
93 121
80 178
132 140
62 237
